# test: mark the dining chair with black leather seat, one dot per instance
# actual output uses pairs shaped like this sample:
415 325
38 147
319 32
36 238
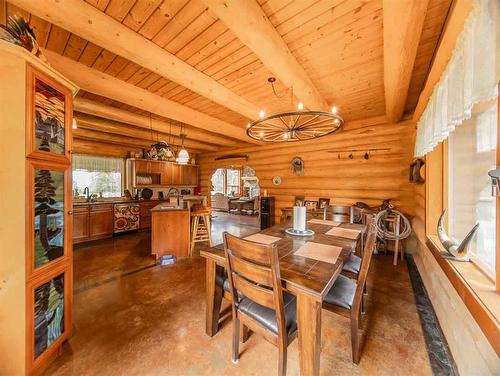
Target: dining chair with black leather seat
345 297
338 213
353 264
258 301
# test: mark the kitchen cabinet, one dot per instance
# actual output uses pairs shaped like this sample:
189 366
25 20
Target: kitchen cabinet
92 222
100 221
160 173
145 213
80 223
190 175
35 237
177 176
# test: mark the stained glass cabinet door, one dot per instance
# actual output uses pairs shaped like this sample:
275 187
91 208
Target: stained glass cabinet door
49 117
50 304
49 212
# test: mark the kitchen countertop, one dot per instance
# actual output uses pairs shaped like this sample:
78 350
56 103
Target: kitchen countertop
166 207
118 201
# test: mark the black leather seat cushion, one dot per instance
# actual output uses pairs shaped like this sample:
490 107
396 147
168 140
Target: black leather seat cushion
267 316
353 264
223 281
342 292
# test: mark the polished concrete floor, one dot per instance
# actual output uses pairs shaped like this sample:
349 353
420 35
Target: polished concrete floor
150 320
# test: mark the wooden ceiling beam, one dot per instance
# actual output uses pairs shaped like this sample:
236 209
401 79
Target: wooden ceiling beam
123 141
247 20
84 146
105 85
102 110
403 22
108 126
84 20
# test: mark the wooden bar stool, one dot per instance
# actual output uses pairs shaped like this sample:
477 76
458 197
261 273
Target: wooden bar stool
200 226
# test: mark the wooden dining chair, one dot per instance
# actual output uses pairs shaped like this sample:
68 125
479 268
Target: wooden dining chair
338 213
353 264
258 301
345 297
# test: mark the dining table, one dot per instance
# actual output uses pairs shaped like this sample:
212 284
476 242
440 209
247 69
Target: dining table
306 278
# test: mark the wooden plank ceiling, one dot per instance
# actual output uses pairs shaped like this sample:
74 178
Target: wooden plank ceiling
338 43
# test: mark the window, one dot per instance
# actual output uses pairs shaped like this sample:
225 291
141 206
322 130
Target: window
233 182
227 181
103 176
471 154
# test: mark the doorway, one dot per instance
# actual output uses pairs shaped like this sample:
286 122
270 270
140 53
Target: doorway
235 201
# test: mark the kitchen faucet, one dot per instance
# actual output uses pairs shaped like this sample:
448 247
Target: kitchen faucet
86 193
176 191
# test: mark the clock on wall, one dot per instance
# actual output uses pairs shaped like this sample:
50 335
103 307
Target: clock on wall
276 180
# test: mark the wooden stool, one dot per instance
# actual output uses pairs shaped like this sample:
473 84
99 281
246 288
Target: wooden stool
200 227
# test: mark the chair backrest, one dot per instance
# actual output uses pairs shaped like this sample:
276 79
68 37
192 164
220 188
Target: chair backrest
253 271
368 250
338 213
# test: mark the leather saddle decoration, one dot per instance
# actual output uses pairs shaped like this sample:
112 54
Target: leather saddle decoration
415 167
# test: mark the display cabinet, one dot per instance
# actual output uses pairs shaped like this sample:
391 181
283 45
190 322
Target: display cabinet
36 235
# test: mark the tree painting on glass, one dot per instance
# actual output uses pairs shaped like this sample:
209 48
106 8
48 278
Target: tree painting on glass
49 313
49 216
49 118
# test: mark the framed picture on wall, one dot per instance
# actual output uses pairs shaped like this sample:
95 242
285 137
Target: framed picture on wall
309 204
323 202
299 201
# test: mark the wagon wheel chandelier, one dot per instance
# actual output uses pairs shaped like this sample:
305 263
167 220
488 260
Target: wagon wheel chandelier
297 125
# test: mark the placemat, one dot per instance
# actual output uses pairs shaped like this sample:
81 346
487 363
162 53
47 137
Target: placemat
320 252
344 233
323 222
262 238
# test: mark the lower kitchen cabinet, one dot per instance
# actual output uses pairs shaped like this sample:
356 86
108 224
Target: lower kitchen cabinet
145 213
92 222
101 221
81 220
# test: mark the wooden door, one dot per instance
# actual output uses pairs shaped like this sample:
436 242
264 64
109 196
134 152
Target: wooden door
80 223
101 221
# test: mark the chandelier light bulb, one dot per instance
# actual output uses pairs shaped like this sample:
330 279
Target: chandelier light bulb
285 135
74 125
248 125
261 134
334 110
262 114
300 106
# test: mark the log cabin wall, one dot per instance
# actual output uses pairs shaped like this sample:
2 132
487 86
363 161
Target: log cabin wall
345 181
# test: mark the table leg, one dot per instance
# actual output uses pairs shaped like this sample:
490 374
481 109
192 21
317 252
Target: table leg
309 326
214 298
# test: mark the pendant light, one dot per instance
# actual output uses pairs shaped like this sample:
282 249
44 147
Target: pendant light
183 156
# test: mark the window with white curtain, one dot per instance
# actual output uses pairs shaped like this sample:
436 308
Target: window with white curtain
471 154
102 175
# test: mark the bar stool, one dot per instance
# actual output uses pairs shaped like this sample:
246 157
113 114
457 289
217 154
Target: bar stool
200 226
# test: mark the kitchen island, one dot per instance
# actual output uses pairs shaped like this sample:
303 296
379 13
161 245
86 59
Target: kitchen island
170 230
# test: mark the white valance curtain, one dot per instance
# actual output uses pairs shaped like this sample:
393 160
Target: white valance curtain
97 164
471 77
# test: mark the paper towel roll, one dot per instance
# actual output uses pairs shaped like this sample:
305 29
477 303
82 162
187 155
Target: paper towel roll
299 218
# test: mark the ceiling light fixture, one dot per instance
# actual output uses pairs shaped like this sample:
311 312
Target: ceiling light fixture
183 155
297 125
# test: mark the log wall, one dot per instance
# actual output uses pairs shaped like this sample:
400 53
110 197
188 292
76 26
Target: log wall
345 181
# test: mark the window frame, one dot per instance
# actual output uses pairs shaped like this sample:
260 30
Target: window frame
475 285
123 174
